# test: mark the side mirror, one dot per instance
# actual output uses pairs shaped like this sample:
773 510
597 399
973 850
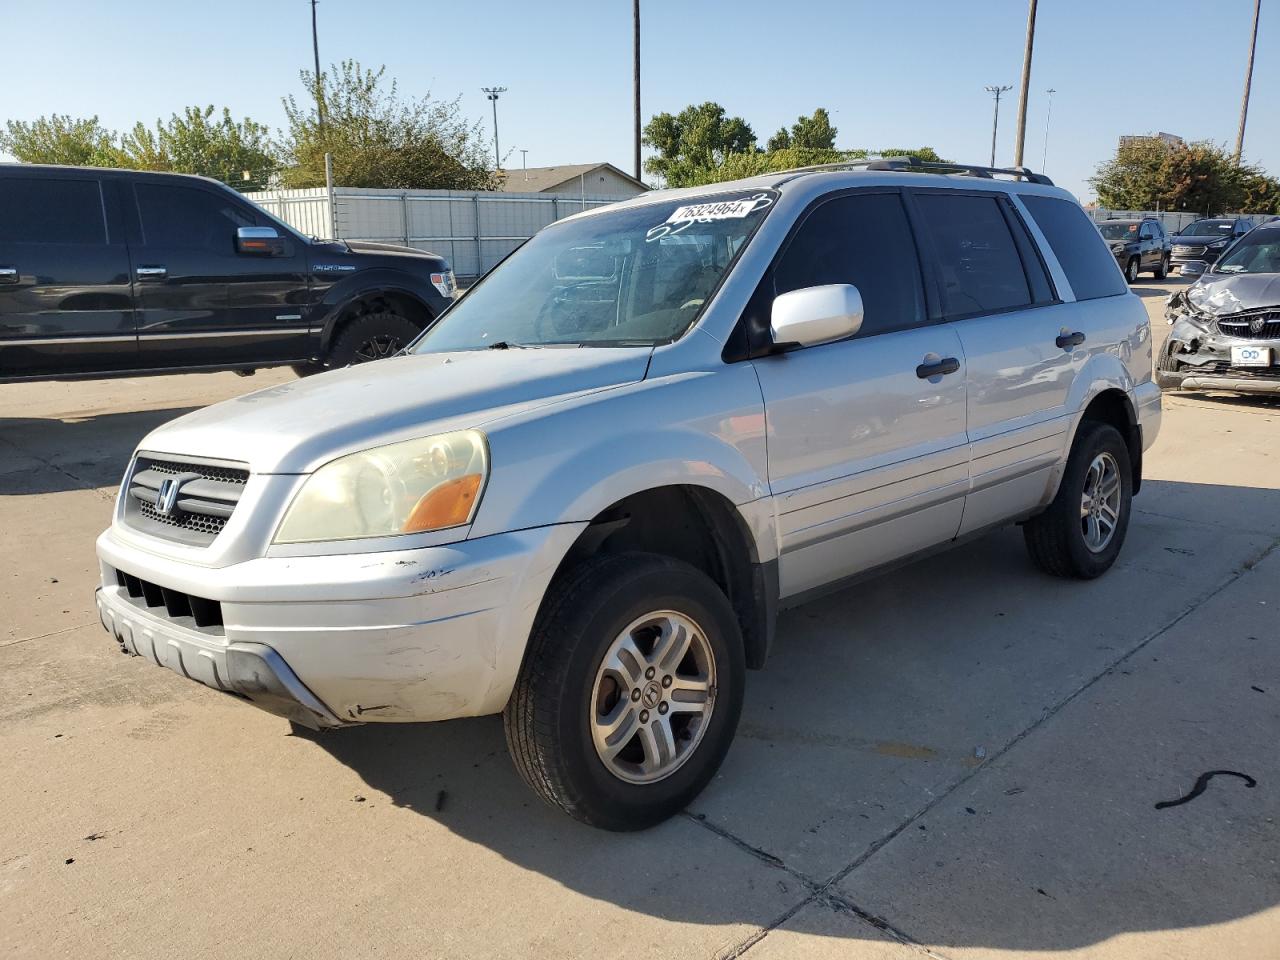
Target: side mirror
259 241
814 315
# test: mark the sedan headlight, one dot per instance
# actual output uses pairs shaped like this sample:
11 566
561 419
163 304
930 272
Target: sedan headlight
410 487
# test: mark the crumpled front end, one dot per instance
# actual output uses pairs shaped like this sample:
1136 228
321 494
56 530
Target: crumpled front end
1218 341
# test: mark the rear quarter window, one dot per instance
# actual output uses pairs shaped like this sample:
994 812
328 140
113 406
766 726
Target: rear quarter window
1089 265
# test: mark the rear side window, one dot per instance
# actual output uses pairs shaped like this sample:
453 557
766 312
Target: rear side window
39 210
864 240
1088 264
977 260
189 217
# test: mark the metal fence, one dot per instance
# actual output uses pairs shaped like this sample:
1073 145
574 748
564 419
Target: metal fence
473 230
1172 222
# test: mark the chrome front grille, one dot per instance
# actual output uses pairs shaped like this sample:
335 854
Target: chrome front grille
1257 326
183 500
1186 250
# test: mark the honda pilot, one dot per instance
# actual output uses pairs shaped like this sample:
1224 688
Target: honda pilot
581 497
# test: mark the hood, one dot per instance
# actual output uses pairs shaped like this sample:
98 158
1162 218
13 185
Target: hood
391 249
296 427
1219 294
1199 240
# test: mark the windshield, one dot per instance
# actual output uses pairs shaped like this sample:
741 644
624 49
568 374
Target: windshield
631 276
1256 252
1119 230
1207 228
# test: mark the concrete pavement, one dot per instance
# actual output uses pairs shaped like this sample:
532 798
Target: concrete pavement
961 759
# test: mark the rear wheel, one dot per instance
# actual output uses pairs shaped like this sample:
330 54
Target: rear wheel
1081 533
630 691
1133 269
1162 270
371 336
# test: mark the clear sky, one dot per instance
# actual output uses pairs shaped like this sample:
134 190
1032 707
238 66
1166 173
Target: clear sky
892 74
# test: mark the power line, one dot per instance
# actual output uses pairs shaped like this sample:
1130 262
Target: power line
1044 160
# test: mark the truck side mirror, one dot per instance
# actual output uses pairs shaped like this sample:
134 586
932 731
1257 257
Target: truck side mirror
814 315
259 242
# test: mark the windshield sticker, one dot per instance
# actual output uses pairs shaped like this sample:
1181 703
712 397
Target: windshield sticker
684 217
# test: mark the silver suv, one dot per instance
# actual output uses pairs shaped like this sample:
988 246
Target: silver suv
580 498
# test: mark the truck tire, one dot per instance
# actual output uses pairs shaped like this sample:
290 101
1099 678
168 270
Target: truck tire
371 336
1080 535
630 691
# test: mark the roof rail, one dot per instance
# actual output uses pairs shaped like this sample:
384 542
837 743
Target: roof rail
910 163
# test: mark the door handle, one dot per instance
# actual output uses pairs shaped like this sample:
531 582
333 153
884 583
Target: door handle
8 274
1068 340
151 273
938 368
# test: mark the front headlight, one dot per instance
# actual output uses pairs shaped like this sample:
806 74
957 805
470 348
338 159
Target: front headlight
1218 244
409 487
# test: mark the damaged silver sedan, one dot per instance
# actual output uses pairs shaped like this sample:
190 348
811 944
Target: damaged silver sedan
1226 326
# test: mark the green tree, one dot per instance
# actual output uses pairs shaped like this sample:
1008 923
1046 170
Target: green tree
1201 177
740 165
61 139
698 138
807 133
199 141
378 138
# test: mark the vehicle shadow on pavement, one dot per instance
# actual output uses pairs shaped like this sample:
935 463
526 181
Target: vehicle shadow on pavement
87 450
884 717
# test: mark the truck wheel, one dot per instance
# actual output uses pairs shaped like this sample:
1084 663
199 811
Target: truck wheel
1080 534
1162 271
630 691
371 336
1133 269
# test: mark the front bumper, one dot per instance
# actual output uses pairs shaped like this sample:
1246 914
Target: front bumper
426 634
1198 357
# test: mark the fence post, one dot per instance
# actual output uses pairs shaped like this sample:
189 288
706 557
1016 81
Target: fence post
404 216
475 199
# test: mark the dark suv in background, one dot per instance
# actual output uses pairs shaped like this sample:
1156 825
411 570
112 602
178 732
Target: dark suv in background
114 272
1139 246
1199 244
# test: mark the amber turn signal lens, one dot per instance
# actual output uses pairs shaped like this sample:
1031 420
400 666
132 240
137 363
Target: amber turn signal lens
447 505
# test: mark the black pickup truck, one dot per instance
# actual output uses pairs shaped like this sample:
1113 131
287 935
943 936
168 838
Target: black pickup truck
118 273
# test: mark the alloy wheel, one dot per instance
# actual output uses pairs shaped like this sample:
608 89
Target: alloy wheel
378 347
1100 502
653 697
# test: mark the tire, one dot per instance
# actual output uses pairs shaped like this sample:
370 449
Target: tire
1166 365
371 336
1132 270
554 719
1162 271
1057 539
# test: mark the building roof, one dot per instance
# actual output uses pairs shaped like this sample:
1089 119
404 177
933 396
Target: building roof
542 179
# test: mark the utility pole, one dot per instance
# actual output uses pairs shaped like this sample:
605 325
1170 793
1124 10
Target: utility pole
524 163
1044 160
1026 85
493 93
315 50
1248 81
635 22
995 90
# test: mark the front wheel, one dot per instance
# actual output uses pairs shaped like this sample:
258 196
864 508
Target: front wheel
371 336
1162 270
1081 533
630 692
1133 269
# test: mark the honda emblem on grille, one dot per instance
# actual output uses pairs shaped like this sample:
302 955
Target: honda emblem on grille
1256 325
167 496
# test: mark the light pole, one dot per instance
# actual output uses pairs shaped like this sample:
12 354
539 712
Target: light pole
493 93
996 91
1248 81
1026 85
1048 115
315 50
524 163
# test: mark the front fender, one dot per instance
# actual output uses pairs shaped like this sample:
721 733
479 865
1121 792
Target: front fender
351 288
569 462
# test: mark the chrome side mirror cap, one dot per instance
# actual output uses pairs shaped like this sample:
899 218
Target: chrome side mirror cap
259 241
813 315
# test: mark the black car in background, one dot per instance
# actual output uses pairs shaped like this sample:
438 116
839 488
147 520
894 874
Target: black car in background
115 272
1139 246
1199 244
